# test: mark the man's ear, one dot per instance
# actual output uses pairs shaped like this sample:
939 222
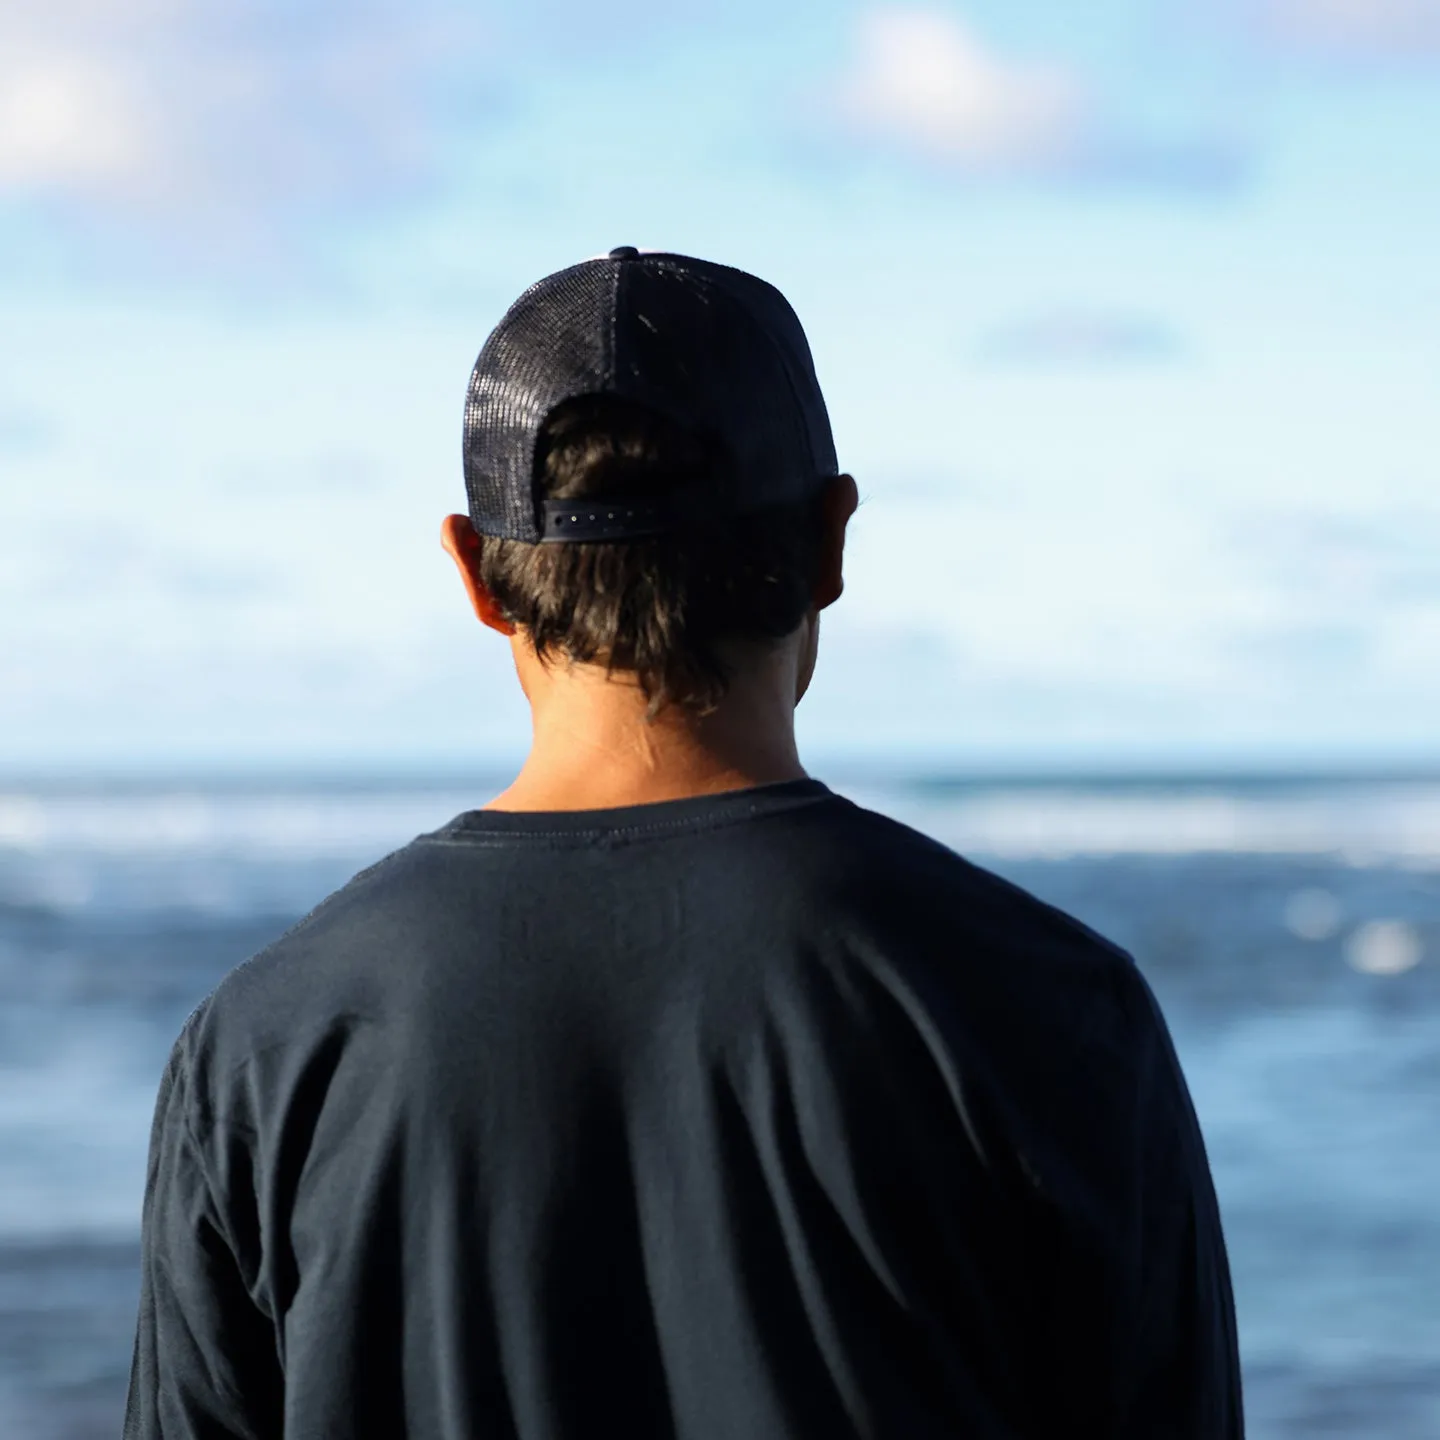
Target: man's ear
839 503
463 546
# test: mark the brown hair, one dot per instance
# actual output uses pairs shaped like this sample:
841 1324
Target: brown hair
662 607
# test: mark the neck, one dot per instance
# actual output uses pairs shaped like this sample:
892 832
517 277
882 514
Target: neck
593 749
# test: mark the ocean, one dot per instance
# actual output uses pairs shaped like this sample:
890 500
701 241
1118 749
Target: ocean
1290 927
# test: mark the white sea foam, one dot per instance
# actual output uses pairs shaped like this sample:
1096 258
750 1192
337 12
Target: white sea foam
298 824
209 852
1390 823
1396 823
1385 947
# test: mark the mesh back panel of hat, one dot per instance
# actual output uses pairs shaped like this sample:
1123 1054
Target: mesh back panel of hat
555 342
712 348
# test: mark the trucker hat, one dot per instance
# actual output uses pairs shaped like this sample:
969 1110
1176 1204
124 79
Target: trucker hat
711 348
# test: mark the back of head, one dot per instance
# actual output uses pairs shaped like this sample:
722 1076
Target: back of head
678 609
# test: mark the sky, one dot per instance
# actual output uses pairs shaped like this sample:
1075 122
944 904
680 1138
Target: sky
1128 318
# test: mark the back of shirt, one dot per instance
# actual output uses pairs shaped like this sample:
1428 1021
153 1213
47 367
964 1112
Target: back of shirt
756 1115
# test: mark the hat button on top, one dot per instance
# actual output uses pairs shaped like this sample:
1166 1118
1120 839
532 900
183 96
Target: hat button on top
624 252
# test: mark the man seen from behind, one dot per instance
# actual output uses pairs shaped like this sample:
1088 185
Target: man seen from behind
670 1095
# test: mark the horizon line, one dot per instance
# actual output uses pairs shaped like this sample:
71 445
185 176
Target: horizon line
926 774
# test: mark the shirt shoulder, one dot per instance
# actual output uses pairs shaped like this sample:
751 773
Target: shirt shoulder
888 868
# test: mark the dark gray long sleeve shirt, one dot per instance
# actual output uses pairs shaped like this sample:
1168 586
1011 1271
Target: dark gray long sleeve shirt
750 1117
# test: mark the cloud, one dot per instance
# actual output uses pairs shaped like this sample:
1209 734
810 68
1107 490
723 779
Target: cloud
226 110
924 82
1082 338
924 78
1391 27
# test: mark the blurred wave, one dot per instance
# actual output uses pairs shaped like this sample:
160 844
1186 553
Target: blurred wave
67 849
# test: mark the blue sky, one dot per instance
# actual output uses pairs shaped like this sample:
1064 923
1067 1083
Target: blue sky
1128 318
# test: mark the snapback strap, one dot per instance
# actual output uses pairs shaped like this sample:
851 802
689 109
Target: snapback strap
603 519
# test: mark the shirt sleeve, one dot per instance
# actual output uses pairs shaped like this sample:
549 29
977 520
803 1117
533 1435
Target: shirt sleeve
1144 1316
205 1364
1188 1376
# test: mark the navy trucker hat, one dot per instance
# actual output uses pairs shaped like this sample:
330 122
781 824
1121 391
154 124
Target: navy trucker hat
711 348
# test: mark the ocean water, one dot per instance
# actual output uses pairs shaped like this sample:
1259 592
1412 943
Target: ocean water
1290 928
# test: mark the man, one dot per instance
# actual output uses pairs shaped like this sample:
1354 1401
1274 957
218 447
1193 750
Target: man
671 1094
